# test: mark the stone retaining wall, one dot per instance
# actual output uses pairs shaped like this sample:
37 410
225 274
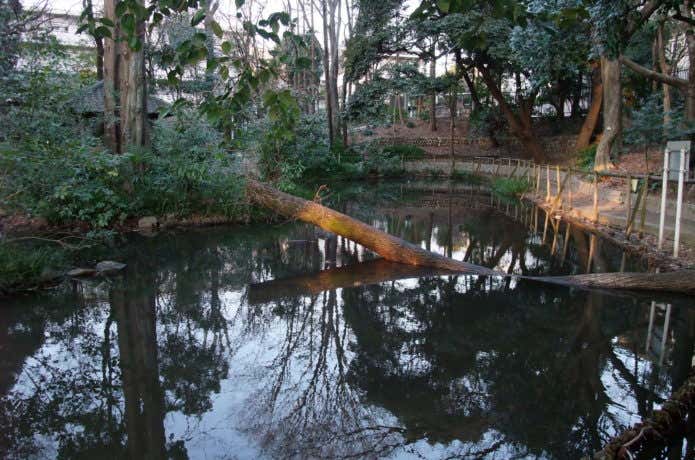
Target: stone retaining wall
555 146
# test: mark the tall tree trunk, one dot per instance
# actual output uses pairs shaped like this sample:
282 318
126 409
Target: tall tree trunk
690 41
471 87
433 95
111 78
452 126
612 113
334 26
327 72
663 68
592 116
88 6
520 125
134 92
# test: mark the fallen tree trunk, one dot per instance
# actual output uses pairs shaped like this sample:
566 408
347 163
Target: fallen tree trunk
396 249
680 281
387 246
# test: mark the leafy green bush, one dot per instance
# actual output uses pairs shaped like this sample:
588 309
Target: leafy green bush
410 124
510 187
186 133
101 189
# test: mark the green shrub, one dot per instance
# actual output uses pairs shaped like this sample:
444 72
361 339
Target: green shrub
101 189
24 267
410 124
367 132
513 187
433 173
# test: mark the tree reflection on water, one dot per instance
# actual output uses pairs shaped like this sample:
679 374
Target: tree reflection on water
286 342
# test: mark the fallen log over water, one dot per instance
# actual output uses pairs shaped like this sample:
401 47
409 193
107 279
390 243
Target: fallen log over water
387 246
396 249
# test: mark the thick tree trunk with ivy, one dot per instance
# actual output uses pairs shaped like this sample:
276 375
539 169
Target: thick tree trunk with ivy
589 125
395 249
133 86
612 114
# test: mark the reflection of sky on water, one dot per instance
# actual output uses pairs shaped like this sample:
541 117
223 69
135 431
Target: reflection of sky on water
428 367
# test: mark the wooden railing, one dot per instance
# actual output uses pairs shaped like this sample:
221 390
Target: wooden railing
557 182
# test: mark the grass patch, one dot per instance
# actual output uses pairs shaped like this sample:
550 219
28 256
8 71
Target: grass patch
586 157
27 266
510 188
467 176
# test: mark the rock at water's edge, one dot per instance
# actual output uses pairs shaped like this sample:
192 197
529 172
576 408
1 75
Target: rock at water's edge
109 266
81 272
147 223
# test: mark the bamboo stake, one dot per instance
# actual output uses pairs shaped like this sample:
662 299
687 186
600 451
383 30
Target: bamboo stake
559 194
547 183
556 230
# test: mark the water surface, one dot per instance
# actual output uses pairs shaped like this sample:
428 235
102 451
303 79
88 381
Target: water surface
283 341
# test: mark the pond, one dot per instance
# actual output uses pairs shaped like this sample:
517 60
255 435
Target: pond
269 341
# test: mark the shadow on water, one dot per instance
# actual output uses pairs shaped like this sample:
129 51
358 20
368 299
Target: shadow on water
283 341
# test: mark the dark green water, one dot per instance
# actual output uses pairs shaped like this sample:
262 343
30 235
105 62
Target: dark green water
282 341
